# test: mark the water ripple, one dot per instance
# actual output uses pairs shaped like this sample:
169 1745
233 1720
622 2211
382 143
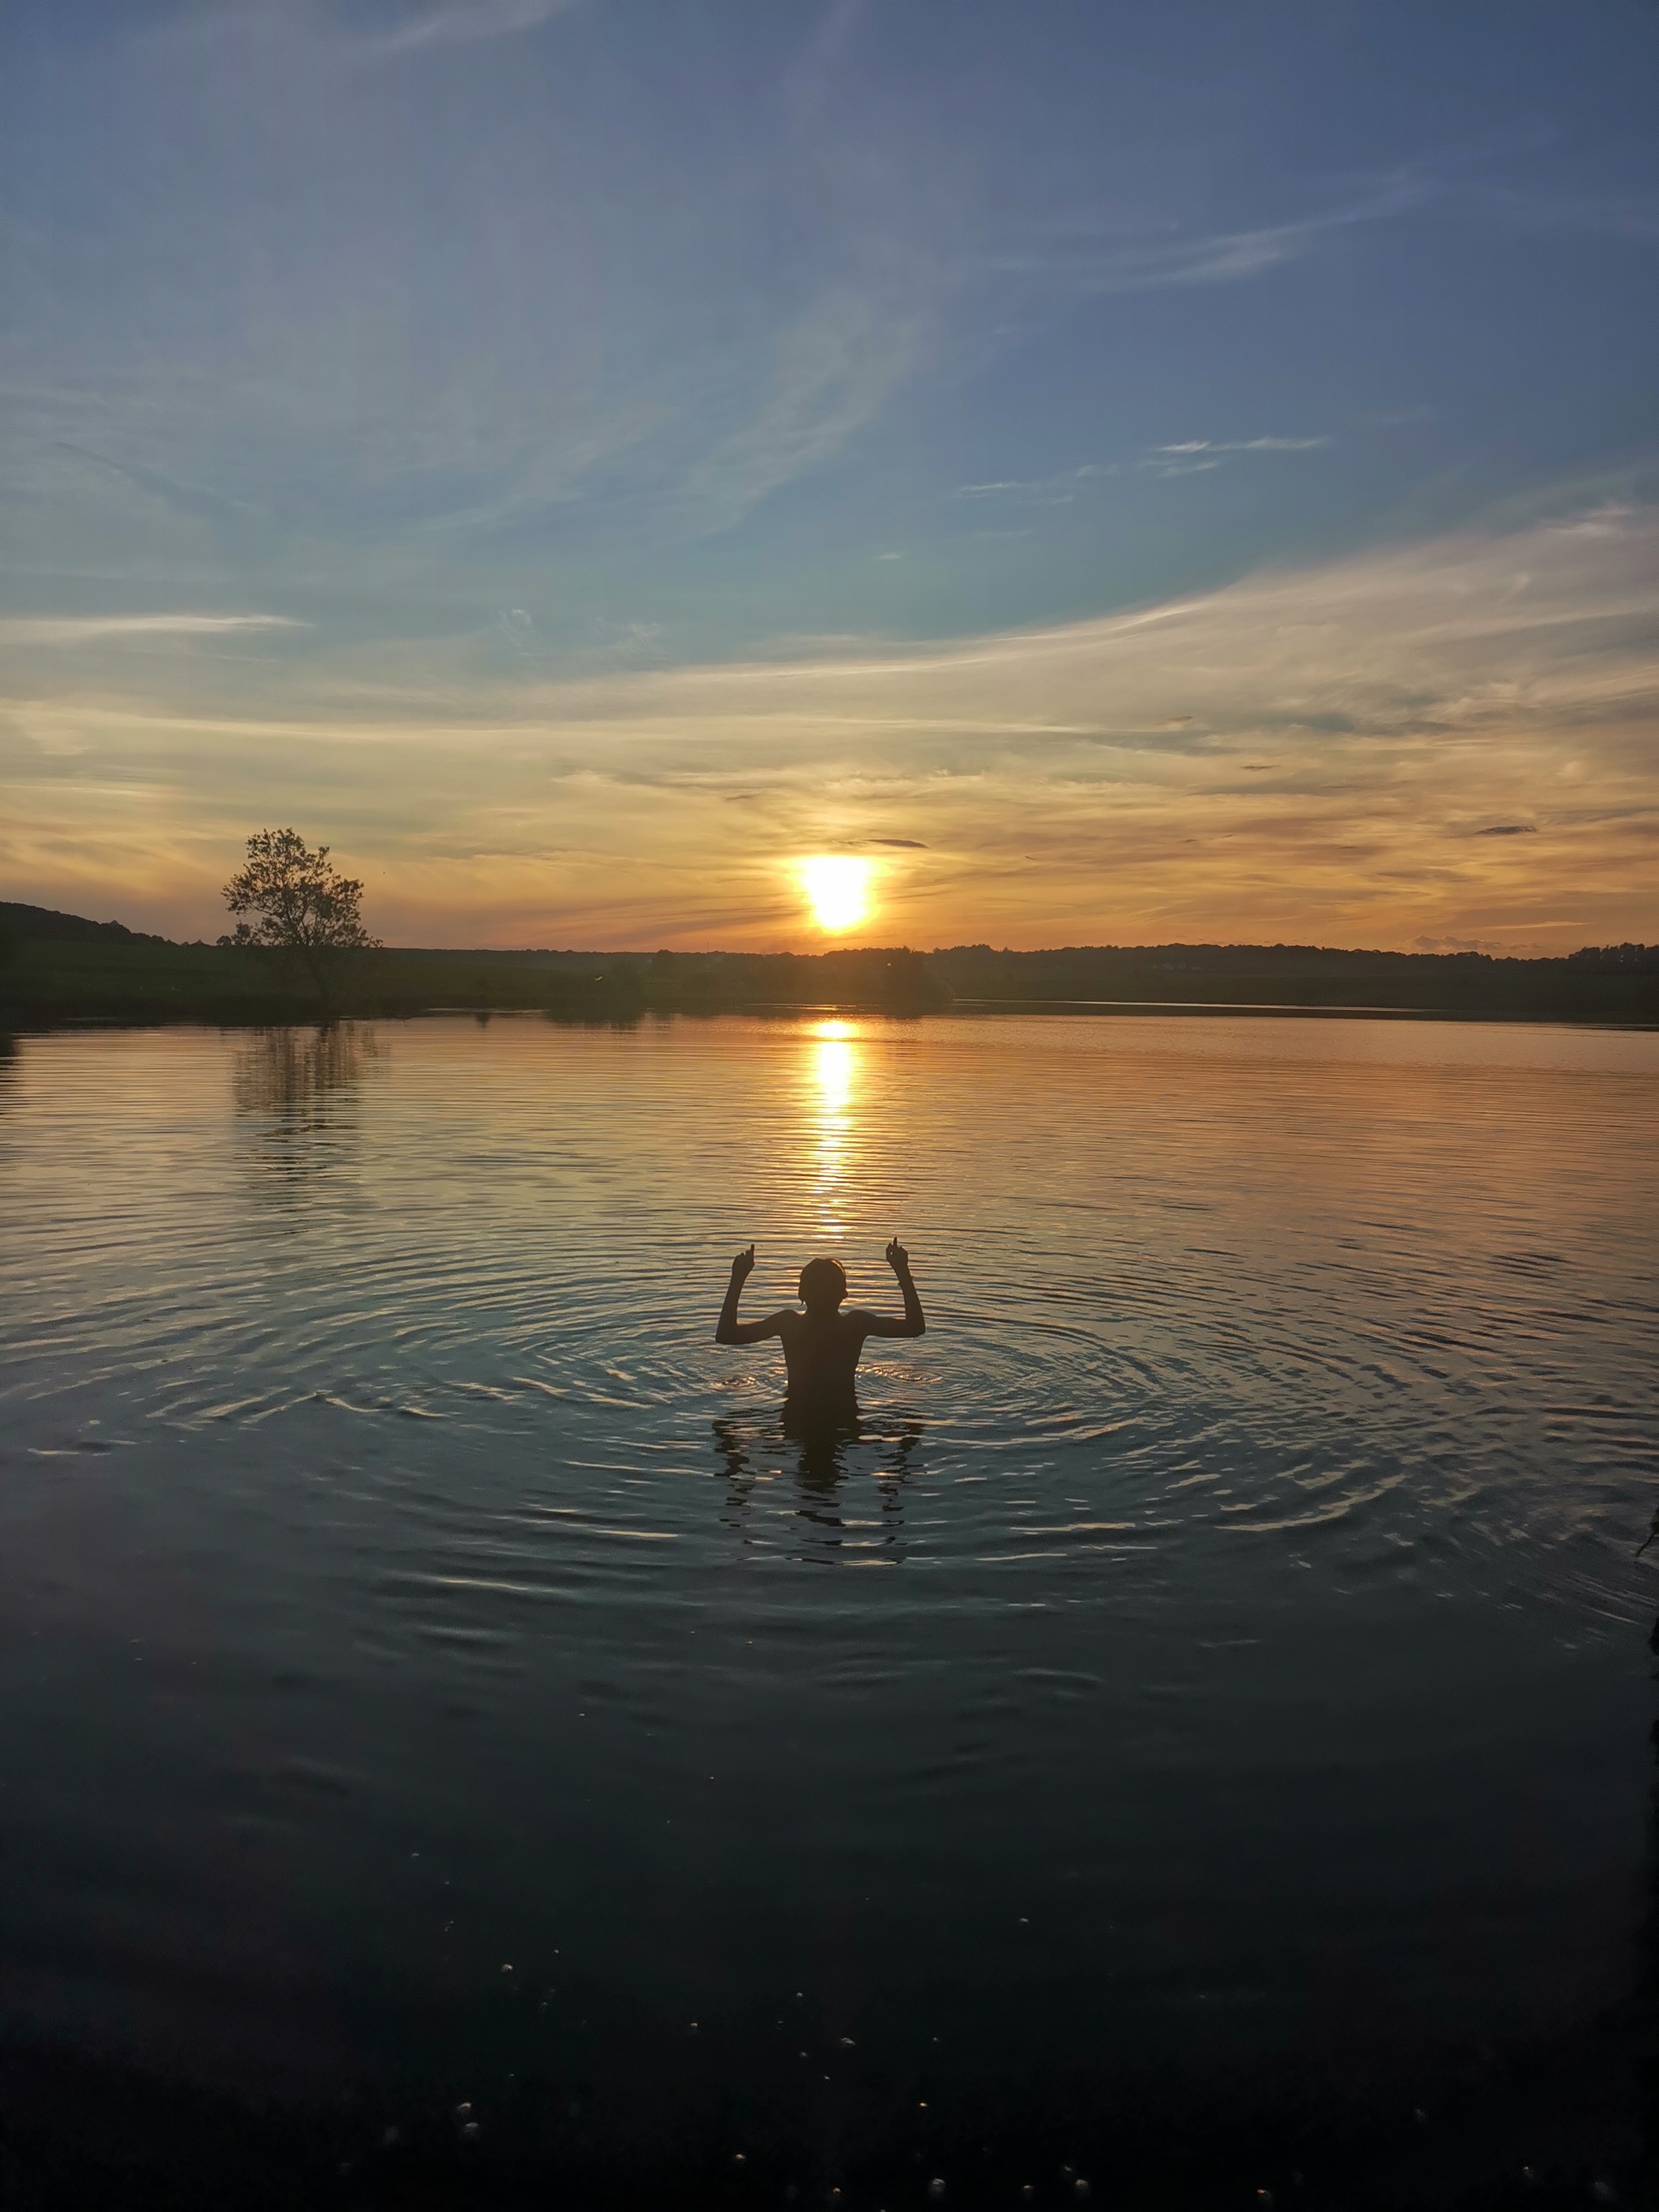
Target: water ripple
481 1268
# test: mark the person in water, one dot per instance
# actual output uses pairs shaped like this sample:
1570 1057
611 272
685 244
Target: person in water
821 1347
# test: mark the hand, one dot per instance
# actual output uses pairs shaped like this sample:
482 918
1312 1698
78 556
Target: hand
742 1267
898 1259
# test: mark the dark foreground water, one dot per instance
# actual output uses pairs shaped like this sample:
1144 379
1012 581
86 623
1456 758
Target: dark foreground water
454 1748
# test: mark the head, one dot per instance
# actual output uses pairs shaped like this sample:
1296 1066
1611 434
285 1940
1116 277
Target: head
822 1285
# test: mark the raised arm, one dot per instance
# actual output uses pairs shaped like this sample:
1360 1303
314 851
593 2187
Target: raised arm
915 1322
728 1330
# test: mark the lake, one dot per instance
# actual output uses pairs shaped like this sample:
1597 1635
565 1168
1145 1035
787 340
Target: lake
1192 1742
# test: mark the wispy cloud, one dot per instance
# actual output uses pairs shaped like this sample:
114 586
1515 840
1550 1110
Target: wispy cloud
337 28
1058 490
1460 737
832 371
1105 254
273 366
1191 456
1244 445
90 630
463 21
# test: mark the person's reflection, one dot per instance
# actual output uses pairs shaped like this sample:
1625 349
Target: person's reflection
731 1448
827 1461
821 1449
293 1082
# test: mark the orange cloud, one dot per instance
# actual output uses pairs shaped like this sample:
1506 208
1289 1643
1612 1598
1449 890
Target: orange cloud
1319 754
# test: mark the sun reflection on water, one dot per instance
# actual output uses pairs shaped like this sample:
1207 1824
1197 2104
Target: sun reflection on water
834 1062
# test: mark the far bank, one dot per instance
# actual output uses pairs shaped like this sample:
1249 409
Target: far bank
61 970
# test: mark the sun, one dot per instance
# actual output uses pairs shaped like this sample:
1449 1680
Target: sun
839 888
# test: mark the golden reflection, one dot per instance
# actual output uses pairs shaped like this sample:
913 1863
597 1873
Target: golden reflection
835 1065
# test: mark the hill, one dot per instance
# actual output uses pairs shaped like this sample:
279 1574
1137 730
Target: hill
45 925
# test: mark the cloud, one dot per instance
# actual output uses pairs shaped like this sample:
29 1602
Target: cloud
1104 255
87 629
832 370
462 22
198 502
671 305
1244 445
1058 490
1396 695
335 28
1191 456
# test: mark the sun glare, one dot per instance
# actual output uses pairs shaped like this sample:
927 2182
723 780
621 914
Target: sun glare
839 889
834 1061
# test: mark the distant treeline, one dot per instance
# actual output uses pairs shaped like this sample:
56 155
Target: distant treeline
1618 955
891 979
1617 982
58 968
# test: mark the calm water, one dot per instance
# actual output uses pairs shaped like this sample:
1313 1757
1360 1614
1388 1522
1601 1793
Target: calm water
1216 1681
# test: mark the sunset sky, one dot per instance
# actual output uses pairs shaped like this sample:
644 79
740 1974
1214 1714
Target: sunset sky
1122 472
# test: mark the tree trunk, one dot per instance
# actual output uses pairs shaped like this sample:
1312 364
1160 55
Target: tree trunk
320 979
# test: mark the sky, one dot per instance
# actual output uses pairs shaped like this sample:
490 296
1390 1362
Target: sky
1116 473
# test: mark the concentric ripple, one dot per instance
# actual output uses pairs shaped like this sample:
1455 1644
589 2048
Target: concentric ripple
377 1512
1327 1285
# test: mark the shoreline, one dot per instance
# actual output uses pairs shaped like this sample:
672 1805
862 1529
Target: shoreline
52 982
631 1017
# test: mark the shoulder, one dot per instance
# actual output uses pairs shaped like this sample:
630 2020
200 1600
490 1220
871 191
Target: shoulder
856 1317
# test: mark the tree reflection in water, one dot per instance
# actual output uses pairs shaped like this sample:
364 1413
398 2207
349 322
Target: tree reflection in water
300 1085
827 1467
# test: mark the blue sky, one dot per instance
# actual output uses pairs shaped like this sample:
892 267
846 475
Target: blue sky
492 371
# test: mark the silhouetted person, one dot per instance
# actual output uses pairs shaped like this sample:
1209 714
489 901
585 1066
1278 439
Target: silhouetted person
821 1347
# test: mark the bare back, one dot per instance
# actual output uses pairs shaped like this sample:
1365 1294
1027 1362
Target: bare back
821 1352
821 1347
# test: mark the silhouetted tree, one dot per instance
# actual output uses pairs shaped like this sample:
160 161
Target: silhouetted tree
303 908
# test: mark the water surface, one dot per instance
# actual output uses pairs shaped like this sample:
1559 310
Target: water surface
1217 1674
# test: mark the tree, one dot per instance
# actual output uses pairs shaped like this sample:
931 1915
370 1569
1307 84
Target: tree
303 908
